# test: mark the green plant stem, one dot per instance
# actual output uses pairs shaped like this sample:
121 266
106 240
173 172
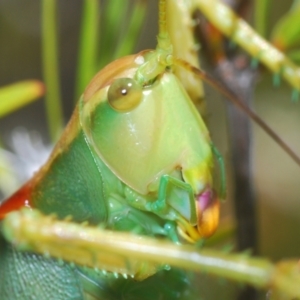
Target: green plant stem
127 43
19 94
113 18
87 61
261 13
50 69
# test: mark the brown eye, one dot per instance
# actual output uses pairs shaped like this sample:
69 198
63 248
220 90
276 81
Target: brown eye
124 94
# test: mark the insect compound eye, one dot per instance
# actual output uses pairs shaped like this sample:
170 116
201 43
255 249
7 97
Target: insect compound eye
124 94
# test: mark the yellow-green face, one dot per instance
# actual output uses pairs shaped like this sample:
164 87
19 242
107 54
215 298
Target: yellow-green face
142 133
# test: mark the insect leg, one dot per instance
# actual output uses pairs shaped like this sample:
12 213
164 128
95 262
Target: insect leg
174 196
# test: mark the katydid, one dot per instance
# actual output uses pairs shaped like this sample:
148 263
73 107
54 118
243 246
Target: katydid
136 156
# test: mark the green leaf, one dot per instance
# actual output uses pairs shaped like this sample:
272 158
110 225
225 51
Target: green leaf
114 20
14 96
262 9
136 19
87 60
51 68
286 33
294 56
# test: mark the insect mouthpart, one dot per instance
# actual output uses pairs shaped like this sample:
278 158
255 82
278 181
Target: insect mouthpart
208 211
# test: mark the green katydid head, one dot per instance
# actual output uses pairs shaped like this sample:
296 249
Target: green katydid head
142 132
140 121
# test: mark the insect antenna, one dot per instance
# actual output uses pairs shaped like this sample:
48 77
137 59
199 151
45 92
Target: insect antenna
162 20
236 101
163 38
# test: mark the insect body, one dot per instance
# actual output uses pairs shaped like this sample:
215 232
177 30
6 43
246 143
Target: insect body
135 156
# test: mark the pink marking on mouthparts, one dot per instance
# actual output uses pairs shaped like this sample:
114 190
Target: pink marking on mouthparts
205 199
